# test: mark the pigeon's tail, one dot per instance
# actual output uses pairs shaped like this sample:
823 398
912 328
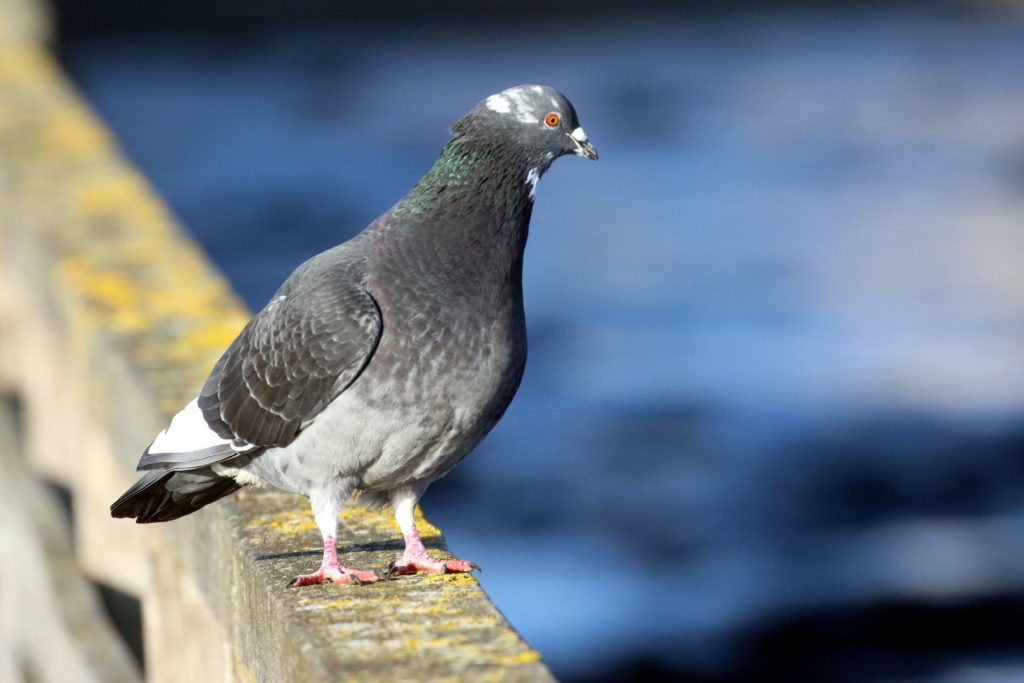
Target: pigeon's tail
161 496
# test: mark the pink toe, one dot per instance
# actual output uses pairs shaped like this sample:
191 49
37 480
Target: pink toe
399 569
363 576
308 579
428 565
339 576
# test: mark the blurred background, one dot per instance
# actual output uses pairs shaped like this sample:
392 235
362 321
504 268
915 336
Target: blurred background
771 426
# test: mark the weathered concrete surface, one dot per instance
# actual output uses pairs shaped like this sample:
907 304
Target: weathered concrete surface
110 319
52 626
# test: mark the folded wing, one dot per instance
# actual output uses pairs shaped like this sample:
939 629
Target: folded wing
291 360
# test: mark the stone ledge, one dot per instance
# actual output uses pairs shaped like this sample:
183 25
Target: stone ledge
52 625
111 319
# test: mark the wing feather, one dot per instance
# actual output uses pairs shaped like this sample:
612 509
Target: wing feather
292 359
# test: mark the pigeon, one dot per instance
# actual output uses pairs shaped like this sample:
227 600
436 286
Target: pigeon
382 362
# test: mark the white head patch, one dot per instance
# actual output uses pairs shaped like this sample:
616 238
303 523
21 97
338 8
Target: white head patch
498 103
513 101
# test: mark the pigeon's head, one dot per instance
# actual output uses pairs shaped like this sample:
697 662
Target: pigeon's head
536 120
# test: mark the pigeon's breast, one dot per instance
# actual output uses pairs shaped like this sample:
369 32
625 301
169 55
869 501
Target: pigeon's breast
439 380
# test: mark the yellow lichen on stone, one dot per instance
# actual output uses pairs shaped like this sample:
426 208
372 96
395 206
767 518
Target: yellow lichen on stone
381 521
457 579
526 657
432 610
214 336
114 192
345 603
289 522
426 529
21 66
422 644
104 288
71 132
466 622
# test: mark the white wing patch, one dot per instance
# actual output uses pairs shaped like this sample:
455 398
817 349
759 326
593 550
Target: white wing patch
188 432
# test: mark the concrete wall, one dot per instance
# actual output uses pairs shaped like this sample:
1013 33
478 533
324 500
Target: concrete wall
109 321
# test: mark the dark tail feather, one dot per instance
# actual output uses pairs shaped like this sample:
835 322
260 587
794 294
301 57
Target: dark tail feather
161 496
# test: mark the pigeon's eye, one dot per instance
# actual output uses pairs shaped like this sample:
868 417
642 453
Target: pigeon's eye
552 120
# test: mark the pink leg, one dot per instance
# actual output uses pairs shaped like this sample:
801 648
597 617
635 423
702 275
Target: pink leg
415 558
331 570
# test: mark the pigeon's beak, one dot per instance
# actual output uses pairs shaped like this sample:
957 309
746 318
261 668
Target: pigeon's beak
583 146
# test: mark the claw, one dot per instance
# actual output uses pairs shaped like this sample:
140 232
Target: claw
475 567
392 570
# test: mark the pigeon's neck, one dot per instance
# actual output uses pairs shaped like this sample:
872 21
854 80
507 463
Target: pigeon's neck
473 177
472 209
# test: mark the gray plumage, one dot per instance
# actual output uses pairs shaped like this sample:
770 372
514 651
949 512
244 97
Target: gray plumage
381 363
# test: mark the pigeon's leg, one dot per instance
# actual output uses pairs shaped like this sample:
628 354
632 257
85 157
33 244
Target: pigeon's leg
415 557
326 508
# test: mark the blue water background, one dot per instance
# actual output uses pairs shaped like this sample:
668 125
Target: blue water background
776 333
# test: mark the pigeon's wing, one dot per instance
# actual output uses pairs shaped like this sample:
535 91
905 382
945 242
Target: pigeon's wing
292 359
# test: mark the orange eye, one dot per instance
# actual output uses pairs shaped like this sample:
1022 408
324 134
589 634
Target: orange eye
552 120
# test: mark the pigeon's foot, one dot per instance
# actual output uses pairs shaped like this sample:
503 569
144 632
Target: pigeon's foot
331 570
415 558
425 563
336 575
